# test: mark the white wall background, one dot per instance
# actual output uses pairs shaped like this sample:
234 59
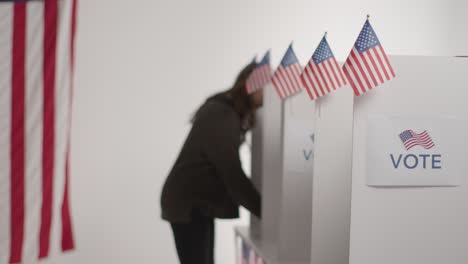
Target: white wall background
459 33
144 66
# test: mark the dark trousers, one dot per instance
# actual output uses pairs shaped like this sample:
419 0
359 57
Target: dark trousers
195 240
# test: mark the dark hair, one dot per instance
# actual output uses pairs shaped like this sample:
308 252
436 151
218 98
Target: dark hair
241 101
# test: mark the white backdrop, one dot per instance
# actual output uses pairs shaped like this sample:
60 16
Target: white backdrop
144 66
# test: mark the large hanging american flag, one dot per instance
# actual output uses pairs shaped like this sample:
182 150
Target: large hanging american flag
36 69
287 77
367 65
322 74
260 76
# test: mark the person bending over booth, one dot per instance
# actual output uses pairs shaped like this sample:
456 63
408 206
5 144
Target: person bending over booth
207 180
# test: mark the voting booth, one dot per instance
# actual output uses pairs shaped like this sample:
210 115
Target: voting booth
414 209
379 178
298 194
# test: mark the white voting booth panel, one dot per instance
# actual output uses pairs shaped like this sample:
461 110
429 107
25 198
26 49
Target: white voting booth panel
331 194
296 202
256 166
411 224
297 183
282 143
262 236
267 160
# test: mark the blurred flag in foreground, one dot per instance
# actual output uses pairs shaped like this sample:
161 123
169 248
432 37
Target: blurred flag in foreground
245 253
258 260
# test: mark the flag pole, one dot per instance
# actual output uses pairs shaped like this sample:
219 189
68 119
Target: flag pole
318 109
318 104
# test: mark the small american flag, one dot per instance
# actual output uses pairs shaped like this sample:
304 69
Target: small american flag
367 65
287 77
322 74
260 76
259 260
411 139
245 253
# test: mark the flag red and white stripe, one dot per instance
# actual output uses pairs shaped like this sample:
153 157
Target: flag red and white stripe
287 81
258 79
260 76
368 65
322 75
36 50
245 253
258 259
287 77
411 139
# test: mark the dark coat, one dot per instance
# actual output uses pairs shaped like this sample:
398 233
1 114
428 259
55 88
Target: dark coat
207 174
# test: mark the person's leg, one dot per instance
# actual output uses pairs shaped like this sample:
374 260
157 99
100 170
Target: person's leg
182 236
195 240
210 237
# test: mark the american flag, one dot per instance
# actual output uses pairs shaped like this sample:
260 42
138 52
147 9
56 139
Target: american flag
322 74
36 72
245 253
260 76
259 260
411 139
287 77
367 65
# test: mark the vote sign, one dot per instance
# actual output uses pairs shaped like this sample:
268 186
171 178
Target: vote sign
415 151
